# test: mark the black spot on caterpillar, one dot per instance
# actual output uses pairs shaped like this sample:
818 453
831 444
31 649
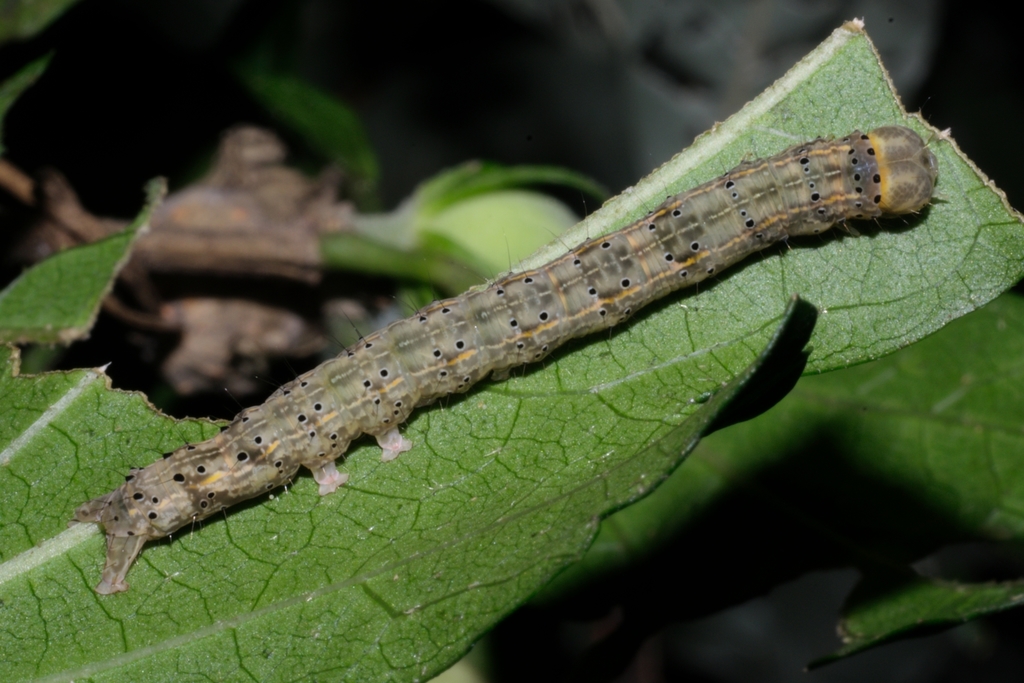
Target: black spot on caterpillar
374 386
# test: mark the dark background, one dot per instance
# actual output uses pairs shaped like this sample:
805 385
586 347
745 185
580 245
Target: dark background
137 90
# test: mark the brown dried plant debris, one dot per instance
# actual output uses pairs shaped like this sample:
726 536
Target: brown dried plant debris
225 342
251 215
17 183
63 221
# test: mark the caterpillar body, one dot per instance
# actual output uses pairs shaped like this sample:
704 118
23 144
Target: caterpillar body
373 386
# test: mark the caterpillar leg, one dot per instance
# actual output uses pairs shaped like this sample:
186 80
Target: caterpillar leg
392 444
121 553
328 477
123 547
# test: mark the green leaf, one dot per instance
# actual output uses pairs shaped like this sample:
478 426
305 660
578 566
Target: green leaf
476 178
459 247
12 88
21 19
500 227
875 466
887 610
395 576
459 228
899 282
383 571
442 264
326 124
57 300
57 418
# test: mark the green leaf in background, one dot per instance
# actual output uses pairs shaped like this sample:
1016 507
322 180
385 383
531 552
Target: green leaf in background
12 88
21 19
475 178
440 263
882 612
500 227
461 227
459 247
57 300
400 571
327 125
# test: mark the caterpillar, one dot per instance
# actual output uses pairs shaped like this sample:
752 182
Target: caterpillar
373 386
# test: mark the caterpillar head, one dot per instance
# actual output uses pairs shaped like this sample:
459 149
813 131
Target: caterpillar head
907 168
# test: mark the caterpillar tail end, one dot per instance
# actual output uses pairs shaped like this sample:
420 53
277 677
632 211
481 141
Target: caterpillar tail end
92 511
121 554
123 543
907 167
